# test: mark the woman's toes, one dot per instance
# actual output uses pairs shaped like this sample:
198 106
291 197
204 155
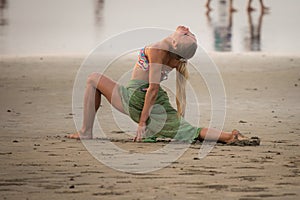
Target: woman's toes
79 136
73 136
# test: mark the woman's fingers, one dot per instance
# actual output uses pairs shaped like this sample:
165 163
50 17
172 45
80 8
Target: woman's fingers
137 139
139 133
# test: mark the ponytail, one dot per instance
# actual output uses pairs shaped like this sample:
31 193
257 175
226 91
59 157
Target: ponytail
182 53
181 77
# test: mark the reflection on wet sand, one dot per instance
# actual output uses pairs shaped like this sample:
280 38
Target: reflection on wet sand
222 28
98 15
253 42
99 4
3 6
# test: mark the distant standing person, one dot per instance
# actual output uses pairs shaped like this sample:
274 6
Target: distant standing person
262 6
232 9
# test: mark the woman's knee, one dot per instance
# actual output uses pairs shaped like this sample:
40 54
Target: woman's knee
94 78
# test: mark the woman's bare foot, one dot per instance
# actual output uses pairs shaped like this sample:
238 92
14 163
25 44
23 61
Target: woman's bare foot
236 136
79 136
240 140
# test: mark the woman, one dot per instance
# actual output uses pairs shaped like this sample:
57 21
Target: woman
145 101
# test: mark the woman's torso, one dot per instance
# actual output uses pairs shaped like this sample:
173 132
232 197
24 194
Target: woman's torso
142 66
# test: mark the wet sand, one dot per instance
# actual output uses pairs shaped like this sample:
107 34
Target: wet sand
37 162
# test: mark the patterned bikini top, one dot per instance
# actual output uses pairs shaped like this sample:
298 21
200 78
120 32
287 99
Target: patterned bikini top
143 60
143 63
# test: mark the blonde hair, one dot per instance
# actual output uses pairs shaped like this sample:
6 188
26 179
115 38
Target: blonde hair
183 52
182 75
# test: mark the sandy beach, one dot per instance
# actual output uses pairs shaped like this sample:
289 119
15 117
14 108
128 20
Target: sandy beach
37 162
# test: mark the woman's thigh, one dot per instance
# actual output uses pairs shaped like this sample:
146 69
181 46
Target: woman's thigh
108 88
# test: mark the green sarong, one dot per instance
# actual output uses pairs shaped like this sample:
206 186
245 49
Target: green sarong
163 121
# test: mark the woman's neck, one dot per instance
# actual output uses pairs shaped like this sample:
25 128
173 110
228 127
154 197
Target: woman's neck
172 58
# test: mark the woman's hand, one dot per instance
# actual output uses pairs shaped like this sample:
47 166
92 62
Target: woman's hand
140 132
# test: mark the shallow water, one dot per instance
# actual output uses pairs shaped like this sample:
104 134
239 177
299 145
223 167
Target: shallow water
77 26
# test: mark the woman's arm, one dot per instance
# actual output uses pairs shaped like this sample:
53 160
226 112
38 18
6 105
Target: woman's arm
155 58
150 98
151 94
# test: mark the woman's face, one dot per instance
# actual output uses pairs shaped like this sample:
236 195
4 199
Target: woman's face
184 36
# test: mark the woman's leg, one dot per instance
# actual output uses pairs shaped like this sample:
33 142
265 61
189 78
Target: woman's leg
208 5
231 8
249 8
97 85
263 7
217 135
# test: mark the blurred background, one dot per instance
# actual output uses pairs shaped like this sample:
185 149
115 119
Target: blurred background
76 26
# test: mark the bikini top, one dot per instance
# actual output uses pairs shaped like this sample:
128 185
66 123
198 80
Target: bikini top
143 63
